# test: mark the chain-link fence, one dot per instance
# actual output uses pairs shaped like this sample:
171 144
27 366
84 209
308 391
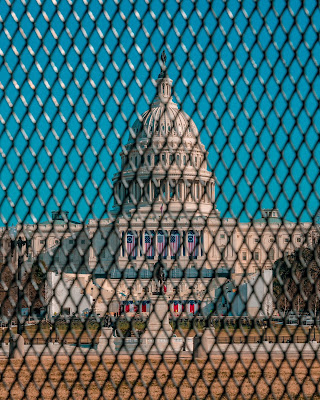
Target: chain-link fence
159 198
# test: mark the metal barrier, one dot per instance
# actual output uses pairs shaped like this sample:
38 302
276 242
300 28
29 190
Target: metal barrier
159 199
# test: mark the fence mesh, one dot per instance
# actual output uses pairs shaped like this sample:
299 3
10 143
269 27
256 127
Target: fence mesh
159 199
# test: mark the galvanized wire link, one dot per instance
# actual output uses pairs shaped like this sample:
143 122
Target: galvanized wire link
159 199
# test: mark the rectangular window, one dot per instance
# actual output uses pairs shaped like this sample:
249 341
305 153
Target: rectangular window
42 241
298 239
256 240
172 190
179 191
83 241
244 256
286 240
156 192
163 190
256 256
222 236
71 241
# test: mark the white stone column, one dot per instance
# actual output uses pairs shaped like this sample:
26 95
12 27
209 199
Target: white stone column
140 242
143 244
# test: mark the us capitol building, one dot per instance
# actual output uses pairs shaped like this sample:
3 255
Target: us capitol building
164 212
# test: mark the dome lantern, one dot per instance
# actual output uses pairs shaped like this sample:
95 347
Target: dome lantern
164 83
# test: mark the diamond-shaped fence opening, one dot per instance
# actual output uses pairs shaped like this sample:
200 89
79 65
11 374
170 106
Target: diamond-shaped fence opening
159 199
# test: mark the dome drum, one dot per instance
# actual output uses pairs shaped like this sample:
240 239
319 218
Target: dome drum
172 194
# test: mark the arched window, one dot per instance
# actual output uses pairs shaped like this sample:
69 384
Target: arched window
163 190
188 190
156 191
179 191
138 192
197 191
171 190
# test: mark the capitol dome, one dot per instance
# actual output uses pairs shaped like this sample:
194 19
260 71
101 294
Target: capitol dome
164 163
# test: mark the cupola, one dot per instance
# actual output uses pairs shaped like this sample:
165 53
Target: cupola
164 83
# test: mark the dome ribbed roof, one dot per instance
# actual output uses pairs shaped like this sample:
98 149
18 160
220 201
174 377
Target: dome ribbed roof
163 121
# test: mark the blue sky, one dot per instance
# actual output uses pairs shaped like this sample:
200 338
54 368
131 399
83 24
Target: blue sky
74 77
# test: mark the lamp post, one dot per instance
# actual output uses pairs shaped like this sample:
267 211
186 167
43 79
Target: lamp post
17 343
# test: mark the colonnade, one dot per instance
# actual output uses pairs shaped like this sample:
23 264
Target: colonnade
180 190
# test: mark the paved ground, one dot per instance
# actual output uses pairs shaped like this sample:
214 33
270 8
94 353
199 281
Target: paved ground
273 350
227 376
